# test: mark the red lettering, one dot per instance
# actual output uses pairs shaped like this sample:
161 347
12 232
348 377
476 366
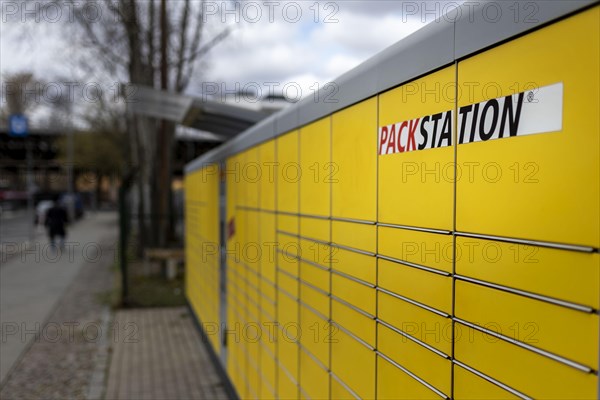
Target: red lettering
402 126
383 138
391 141
411 134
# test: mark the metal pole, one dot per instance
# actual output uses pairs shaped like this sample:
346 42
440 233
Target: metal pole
30 205
70 183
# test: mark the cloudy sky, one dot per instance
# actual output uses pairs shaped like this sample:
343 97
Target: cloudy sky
306 42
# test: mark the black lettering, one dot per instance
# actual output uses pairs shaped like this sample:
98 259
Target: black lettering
435 118
507 113
474 123
482 133
424 133
464 111
446 130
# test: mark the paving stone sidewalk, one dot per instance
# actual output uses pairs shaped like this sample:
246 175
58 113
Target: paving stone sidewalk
160 355
62 360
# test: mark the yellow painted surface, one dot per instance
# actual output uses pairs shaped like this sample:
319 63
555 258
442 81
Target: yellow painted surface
313 378
316 335
289 172
469 386
338 391
422 324
354 157
424 363
358 265
561 274
288 389
429 249
431 289
315 252
314 228
288 356
287 223
316 167
530 373
288 284
532 322
354 293
351 234
315 276
393 384
268 175
315 299
555 195
357 323
346 355
416 188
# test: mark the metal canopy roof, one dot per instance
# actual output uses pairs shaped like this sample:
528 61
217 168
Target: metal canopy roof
220 118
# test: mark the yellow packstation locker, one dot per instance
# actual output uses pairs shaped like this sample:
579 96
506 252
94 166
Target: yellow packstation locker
354 162
416 154
434 235
543 183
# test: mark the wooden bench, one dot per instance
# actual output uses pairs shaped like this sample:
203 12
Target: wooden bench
171 257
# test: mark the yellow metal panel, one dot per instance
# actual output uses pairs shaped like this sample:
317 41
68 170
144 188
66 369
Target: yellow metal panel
424 363
313 378
426 287
357 323
469 386
268 334
268 292
289 284
268 175
351 234
251 174
358 265
288 244
354 364
267 386
287 315
253 382
394 384
422 324
424 248
567 275
354 293
416 187
315 276
287 263
530 373
287 223
569 333
314 299
339 392
544 186
315 252
354 157
288 351
316 335
316 167
315 228
288 389
288 177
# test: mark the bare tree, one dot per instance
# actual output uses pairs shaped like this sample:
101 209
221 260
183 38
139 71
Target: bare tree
145 42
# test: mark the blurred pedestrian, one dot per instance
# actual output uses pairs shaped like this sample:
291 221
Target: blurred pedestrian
56 221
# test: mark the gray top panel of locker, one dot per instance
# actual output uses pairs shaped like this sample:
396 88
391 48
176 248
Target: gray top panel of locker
482 25
436 45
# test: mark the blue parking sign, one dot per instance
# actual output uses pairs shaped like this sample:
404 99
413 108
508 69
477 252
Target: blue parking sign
17 125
